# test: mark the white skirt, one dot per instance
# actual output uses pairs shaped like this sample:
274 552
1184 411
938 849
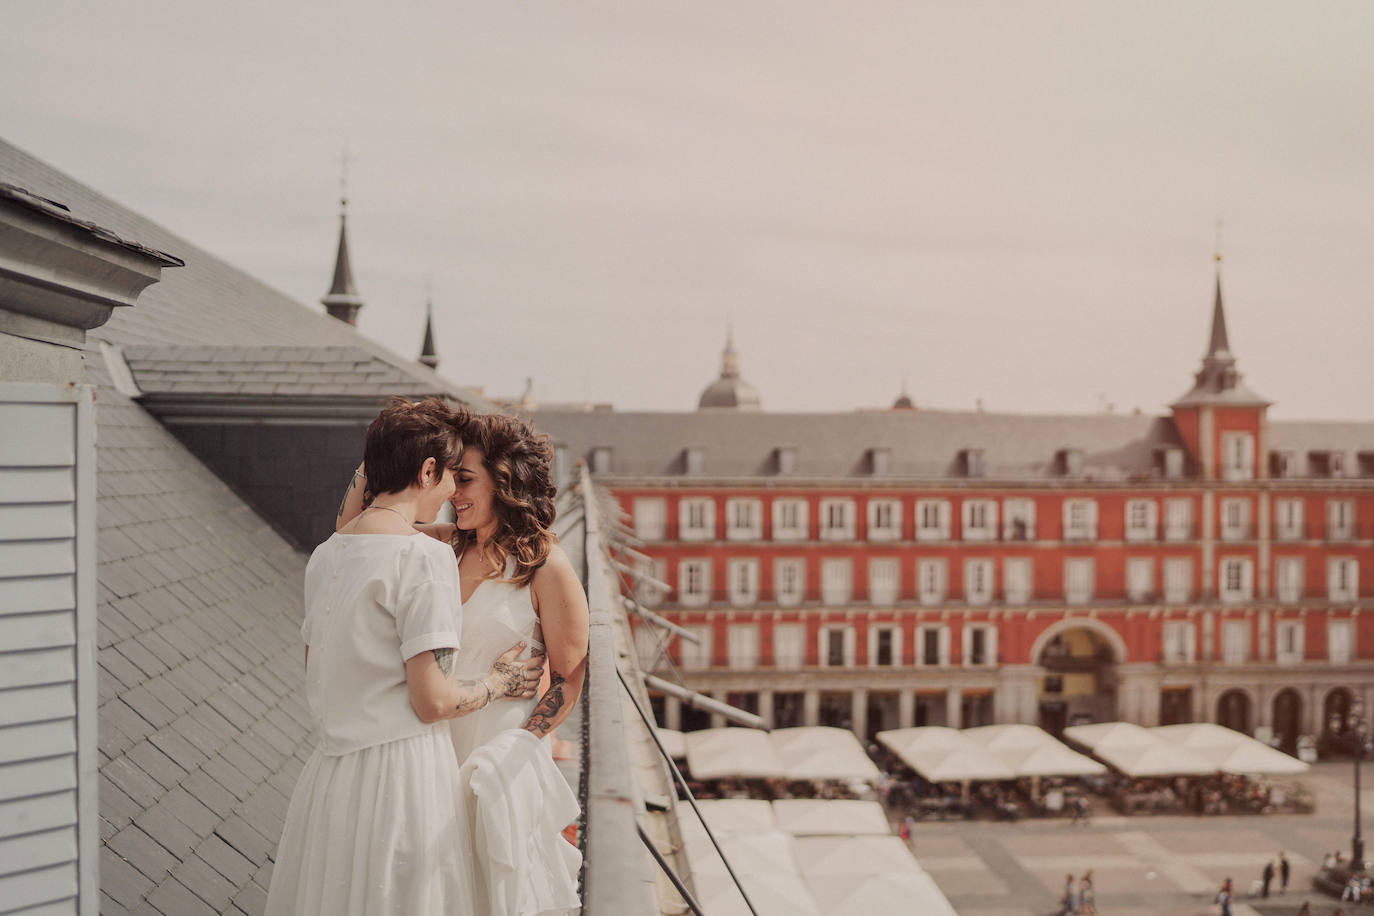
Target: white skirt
378 832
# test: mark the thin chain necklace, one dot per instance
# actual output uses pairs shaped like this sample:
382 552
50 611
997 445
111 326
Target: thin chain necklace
393 509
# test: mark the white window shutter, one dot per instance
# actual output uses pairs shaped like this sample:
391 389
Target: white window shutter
849 646
944 645
992 645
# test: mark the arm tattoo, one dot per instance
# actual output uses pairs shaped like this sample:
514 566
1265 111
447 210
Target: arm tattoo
444 659
479 695
351 484
547 709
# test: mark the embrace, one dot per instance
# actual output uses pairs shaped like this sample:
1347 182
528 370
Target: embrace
432 789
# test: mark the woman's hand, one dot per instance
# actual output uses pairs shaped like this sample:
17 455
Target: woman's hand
511 676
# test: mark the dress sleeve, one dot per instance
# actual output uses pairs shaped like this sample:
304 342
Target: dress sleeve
427 612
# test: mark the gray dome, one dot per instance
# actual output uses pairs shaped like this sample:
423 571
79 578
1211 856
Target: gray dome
729 392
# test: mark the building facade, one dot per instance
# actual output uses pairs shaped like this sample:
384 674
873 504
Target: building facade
883 569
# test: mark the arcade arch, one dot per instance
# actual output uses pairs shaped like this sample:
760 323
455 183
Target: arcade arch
1077 659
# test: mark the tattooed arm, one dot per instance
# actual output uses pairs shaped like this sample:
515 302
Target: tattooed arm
355 499
562 608
434 695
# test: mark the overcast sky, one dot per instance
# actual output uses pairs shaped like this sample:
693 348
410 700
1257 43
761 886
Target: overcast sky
1008 201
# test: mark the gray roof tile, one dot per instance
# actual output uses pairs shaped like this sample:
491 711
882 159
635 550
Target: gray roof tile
248 842
121 881
172 898
156 764
143 852
206 883
164 826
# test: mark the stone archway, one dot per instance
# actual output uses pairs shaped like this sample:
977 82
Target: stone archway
1287 719
1336 710
1233 710
1077 658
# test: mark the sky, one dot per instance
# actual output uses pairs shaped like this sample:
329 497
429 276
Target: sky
1007 204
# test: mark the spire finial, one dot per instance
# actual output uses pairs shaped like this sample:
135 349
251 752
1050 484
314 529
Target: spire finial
428 355
344 159
729 358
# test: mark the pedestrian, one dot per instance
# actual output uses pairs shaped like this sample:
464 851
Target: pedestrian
1070 900
1224 897
904 832
910 823
1267 878
1283 872
1087 896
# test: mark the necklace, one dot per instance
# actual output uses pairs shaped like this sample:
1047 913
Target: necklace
393 509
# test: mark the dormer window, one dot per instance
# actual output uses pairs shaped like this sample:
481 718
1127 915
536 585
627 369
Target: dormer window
971 462
601 459
1070 461
1170 463
879 461
693 459
785 459
1366 463
1283 464
1328 464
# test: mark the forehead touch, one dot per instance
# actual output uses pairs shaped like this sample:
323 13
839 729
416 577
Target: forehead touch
472 458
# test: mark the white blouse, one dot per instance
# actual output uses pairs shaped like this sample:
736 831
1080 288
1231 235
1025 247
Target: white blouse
372 601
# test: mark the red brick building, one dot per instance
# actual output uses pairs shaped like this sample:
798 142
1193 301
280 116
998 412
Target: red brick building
900 567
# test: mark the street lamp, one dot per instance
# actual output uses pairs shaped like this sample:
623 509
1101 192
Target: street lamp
1358 742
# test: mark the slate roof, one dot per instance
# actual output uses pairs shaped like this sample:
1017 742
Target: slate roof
202 725
278 371
922 444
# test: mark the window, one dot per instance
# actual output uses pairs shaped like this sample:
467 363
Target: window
1342 579
789 581
1016 580
837 581
980 520
743 519
1178 519
879 461
1340 519
696 655
1140 578
884 519
1235 519
1018 520
742 646
980 645
883 581
934 645
1237 456
1288 642
601 460
693 460
789 645
884 646
932 520
837 647
1284 464
977 581
1288 519
1080 519
1173 463
1178 579
696 519
744 581
1071 462
1140 519
787 459
1288 578
1078 580
1235 579
694 582
1235 641
931 580
651 519
1180 641
837 519
649 586
789 520
1340 641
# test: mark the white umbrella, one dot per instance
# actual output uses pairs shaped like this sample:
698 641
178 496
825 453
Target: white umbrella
1200 734
839 817
1156 759
819 752
1256 758
1049 760
732 753
729 815
1110 734
902 892
853 857
996 737
769 852
783 894
922 739
965 764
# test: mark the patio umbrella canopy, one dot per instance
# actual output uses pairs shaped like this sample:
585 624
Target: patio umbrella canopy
1156 759
997 737
902 892
1258 759
784 894
853 857
729 815
807 817
1050 760
1231 751
1109 734
819 752
732 753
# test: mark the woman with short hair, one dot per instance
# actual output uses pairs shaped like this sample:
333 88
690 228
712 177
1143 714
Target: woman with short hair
375 824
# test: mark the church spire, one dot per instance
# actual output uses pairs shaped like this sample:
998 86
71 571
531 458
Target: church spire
342 301
1219 345
729 357
428 356
1218 380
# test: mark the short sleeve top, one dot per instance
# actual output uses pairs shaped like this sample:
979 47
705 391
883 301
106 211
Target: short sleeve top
372 601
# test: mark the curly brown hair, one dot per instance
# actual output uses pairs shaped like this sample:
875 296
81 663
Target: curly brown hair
519 461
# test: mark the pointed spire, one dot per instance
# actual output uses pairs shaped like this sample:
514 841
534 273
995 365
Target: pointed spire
342 301
729 358
428 356
1219 344
729 390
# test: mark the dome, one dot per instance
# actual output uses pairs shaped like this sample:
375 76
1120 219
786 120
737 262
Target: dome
729 392
903 402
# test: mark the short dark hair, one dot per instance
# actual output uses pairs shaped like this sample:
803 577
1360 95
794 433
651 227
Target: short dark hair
403 436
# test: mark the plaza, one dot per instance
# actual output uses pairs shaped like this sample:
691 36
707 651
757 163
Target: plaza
1143 864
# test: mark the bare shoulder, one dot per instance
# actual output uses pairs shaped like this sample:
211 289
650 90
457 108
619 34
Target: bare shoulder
556 581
